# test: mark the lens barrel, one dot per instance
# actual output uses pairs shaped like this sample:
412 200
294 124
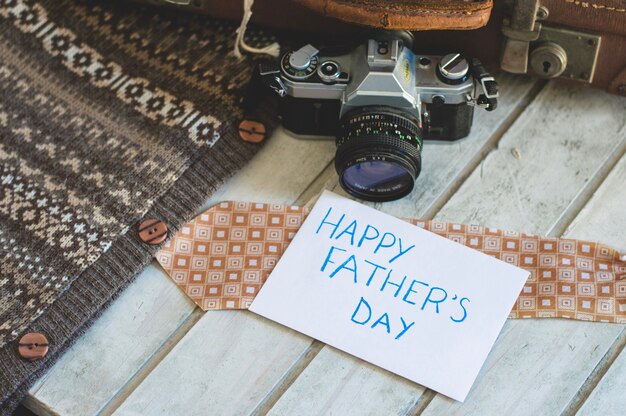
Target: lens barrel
378 153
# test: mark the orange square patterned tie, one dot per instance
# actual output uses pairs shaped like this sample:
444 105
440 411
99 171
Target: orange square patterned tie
222 258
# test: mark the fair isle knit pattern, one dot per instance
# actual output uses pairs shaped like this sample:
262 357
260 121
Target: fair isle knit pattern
108 113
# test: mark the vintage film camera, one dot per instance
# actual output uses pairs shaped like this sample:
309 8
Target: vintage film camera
379 100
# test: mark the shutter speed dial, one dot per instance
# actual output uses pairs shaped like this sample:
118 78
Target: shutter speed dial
300 64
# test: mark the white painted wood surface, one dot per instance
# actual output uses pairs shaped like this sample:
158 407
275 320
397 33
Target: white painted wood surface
237 363
516 194
608 398
147 313
204 373
335 383
604 218
538 366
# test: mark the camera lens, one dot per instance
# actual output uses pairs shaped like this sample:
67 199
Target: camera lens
378 153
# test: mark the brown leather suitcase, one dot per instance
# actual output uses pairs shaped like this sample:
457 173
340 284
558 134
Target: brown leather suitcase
577 41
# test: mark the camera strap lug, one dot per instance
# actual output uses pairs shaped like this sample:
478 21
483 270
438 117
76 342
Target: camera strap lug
489 97
270 74
490 87
278 86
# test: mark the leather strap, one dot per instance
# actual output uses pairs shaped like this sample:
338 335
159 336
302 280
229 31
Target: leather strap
602 16
406 14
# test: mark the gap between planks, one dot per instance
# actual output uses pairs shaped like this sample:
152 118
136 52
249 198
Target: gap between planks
488 147
38 407
559 227
596 375
143 372
422 403
557 230
288 378
586 192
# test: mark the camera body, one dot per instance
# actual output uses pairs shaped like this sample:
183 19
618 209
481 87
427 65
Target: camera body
319 89
379 100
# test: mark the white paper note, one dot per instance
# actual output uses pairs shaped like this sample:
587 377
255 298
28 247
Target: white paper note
393 294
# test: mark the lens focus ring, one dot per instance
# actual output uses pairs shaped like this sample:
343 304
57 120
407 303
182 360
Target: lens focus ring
378 153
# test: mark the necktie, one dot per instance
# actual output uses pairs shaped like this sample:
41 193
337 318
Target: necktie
222 258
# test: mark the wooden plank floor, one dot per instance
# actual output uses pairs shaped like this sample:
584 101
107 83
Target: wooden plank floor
551 160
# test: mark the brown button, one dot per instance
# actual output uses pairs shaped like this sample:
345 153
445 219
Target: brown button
252 131
33 346
152 231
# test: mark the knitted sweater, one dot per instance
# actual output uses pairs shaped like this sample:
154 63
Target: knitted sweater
108 114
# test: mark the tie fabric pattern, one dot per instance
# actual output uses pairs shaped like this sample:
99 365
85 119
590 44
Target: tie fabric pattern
222 258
